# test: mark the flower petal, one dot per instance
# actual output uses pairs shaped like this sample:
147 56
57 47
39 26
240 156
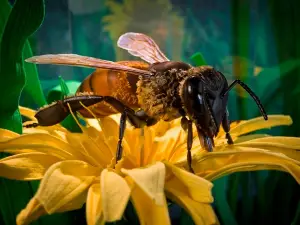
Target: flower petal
210 164
64 182
115 193
93 204
89 148
202 213
289 146
259 123
32 212
93 123
42 142
198 188
7 134
150 179
148 211
27 112
293 169
26 166
161 128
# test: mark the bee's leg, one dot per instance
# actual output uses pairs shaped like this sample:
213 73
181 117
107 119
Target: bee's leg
186 125
137 119
121 135
31 125
226 127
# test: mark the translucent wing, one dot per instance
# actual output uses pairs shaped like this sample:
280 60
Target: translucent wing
84 61
142 46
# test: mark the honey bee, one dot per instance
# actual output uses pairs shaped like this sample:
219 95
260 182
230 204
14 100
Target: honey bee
146 92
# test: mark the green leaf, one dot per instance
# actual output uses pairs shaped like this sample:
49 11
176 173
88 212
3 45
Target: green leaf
185 218
198 59
65 88
296 219
23 20
33 88
16 25
233 189
224 211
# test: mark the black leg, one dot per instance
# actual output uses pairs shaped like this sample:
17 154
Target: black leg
60 110
31 125
121 135
226 127
188 126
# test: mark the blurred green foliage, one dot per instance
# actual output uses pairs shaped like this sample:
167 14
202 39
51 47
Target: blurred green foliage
16 25
243 198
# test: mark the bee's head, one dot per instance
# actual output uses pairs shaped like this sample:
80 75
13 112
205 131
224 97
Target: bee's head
203 103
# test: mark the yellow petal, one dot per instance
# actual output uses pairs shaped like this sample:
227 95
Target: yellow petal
94 123
148 212
42 142
64 182
259 123
93 204
293 169
287 145
136 145
166 146
214 162
115 193
150 179
26 166
33 211
101 148
202 213
92 152
33 130
161 128
7 134
248 138
198 188
27 112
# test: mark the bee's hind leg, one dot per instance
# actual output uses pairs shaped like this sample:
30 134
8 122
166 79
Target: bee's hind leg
226 127
186 125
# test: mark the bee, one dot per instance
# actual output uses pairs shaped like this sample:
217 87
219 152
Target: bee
145 92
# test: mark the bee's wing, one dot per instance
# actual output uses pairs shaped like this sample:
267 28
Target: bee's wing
142 46
84 61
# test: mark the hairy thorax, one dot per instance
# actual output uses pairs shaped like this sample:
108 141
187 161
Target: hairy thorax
158 95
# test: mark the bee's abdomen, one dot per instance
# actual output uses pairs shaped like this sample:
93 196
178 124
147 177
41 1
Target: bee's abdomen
109 83
158 94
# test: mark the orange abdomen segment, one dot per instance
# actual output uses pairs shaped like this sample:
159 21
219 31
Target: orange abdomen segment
120 85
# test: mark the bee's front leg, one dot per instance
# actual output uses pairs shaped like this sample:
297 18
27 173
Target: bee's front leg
226 127
187 125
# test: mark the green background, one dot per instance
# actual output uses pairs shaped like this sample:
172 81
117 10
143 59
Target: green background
238 37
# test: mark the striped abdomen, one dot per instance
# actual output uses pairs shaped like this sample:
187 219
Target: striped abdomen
120 85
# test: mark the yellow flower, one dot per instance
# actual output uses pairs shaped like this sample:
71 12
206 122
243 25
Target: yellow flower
78 168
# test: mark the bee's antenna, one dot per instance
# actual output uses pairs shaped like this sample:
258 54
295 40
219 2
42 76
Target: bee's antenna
251 93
